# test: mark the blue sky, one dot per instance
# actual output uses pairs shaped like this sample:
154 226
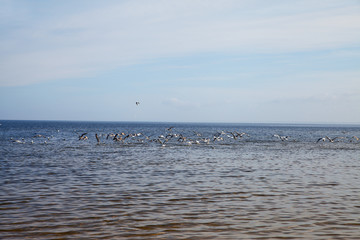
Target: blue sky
185 61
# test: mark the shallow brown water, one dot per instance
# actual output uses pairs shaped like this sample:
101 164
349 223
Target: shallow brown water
248 189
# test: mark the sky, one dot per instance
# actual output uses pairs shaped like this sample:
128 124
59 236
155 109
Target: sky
238 61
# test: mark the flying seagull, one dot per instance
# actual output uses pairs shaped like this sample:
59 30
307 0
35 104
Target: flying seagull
137 103
83 136
282 138
321 139
170 128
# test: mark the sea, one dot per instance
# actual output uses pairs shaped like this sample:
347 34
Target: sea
145 180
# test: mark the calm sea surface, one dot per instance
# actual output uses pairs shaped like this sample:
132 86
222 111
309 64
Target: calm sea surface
193 181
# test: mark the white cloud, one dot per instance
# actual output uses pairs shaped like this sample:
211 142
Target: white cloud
134 31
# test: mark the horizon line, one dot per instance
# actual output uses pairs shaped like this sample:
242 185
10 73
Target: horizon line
193 122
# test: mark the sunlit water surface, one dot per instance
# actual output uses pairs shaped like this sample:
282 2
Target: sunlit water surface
256 186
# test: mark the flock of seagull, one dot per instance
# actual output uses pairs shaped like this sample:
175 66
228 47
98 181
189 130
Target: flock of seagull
195 138
171 136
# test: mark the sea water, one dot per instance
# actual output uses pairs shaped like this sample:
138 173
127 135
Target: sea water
178 181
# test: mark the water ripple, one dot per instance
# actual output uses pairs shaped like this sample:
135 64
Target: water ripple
256 188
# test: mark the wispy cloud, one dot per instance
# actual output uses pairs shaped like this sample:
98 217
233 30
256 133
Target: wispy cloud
310 97
181 104
123 33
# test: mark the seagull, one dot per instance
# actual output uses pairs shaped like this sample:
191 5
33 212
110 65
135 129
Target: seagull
97 138
127 136
170 136
282 138
170 128
327 138
217 138
197 134
83 137
333 139
356 138
235 135
206 140
330 140
161 142
137 103
119 137
181 138
241 134
110 135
